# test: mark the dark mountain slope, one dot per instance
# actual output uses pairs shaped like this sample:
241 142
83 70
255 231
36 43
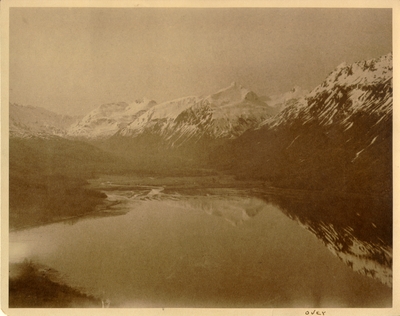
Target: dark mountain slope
339 137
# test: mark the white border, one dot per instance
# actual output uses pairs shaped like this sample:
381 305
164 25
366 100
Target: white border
7 4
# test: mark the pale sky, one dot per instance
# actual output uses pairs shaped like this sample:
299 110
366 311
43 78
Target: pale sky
71 60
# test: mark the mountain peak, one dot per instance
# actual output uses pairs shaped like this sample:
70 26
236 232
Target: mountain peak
295 89
366 72
363 86
387 57
113 106
145 100
235 84
225 113
232 94
341 66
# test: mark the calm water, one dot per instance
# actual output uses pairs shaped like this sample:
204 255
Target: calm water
226 249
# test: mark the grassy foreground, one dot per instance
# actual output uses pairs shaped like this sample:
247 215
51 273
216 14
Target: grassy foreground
30 286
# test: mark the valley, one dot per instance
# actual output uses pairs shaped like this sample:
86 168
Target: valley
305 176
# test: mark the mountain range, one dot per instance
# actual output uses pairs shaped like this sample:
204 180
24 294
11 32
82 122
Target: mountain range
338 136
228 113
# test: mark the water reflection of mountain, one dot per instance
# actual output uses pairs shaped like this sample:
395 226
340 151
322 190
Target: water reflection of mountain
235 210
358 230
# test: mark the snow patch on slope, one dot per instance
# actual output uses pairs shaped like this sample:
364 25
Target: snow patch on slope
227 113
107 119
27 121
364 86
278 101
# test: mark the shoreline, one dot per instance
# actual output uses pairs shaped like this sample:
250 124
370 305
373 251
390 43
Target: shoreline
254 187
106 207
62 219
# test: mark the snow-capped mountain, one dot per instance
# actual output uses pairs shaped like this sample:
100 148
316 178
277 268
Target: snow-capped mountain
364 86
227 113
339 136
108 119
27 121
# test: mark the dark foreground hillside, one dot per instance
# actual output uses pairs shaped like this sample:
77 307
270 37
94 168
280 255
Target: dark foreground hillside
30 287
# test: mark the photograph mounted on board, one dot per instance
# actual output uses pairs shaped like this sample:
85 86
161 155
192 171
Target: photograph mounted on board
200 157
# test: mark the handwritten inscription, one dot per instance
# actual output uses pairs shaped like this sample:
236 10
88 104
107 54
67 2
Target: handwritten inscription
315 312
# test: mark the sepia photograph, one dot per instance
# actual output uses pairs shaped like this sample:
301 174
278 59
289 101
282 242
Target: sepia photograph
197 157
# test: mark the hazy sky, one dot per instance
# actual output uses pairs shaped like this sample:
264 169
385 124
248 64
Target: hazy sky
71 60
